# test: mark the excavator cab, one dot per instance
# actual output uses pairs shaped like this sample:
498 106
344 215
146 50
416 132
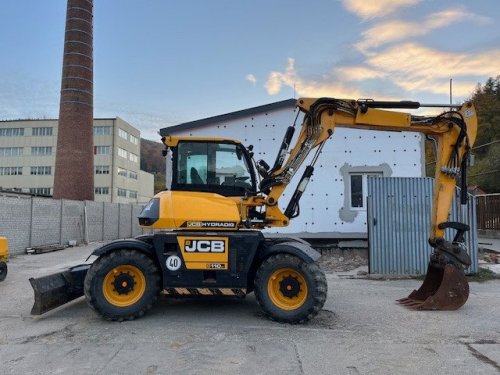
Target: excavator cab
217 166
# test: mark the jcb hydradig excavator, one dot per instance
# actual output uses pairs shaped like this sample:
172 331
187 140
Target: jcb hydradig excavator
209 220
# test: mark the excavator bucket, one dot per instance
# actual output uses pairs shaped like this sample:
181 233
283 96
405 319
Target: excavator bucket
57 289
445 287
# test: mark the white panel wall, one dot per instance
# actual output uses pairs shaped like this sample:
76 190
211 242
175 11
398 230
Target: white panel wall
324 206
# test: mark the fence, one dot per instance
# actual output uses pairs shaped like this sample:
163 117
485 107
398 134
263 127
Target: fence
31 221
488 211
399 216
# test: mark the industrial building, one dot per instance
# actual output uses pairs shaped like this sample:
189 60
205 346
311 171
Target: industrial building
28 153
334 204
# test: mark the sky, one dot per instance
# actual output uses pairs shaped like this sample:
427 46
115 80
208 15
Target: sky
159 63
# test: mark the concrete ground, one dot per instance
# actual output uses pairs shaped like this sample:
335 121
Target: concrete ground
489 244
360 331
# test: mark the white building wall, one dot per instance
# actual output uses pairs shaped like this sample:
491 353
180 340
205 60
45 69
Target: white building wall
128 182
325 206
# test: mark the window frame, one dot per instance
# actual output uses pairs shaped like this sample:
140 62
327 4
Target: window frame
120 190
227 191
364 189
47 150
102 169
42 131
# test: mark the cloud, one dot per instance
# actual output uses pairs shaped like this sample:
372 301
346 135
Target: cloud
395 30
367 9
415 67
278 79
251 78
358 73
410 68
331 85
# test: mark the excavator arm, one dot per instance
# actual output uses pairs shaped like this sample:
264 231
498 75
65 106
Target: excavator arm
454 132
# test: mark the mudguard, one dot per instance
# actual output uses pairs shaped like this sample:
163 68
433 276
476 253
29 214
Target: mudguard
130 243
300 249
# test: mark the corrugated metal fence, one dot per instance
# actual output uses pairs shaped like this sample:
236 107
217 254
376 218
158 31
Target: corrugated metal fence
399 215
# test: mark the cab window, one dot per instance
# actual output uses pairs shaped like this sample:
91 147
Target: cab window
221 168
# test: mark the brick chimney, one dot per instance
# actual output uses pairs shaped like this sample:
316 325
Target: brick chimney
74 170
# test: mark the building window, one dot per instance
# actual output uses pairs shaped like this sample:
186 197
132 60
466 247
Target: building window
132 175
133 157
102 150
101 190
358 188
122 172
41 151
122 133
11 132
134 140
123 153
122 192
132 194
40 132
41 171
102 169
102 130
11 171
11 151
40 191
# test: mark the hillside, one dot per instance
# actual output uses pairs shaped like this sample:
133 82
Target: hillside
152 161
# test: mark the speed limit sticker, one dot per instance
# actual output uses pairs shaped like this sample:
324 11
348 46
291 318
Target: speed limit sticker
173 262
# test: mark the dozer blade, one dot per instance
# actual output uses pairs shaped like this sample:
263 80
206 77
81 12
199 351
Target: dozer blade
57 289
444 288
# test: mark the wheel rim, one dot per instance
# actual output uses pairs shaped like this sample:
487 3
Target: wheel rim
124 285
287 288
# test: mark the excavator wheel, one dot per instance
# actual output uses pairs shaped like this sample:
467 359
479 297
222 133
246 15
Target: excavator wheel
122 285
3 271
290 290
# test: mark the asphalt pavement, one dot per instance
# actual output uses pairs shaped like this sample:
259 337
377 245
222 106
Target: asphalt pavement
360 331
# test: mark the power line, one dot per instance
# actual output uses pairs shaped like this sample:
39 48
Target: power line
482 174
486 144
473 148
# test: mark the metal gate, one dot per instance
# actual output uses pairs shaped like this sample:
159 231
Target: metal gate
399 216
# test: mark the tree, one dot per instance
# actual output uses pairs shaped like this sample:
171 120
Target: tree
486 171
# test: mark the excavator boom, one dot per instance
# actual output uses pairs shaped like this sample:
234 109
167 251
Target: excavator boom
445 287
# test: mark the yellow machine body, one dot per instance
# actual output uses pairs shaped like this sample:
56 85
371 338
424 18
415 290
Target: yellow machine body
4 248
196 211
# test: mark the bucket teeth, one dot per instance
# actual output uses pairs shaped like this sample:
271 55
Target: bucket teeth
444 288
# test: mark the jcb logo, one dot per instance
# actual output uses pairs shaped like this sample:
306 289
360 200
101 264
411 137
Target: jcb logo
205 246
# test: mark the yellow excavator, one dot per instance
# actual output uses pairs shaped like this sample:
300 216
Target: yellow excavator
208 240
4 253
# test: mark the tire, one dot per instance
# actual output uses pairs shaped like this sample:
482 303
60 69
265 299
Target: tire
3 271
290 290
122 285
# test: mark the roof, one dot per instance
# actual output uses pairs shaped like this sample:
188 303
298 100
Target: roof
288 103
54 119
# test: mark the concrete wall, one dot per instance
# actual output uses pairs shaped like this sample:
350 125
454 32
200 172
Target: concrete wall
31 222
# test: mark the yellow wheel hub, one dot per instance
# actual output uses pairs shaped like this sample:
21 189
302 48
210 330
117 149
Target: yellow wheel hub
124 285
287 288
